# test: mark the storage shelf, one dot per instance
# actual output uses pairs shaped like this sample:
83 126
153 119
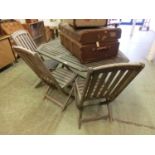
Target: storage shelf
37 31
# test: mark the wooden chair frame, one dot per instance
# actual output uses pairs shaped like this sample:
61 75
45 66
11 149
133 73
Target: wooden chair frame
60 78
23 38
103 84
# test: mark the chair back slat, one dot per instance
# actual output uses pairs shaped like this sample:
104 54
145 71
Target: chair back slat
109 81
33 60
115 81
100 83
93 82
24 39
123 83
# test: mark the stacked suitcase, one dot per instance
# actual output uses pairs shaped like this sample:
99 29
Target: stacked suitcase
90 40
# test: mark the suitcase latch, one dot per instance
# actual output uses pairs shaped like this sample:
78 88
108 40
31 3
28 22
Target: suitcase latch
97 44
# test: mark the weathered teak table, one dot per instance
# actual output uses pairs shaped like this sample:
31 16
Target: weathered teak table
55 50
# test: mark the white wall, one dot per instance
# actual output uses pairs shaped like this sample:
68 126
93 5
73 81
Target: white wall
47 22
152 24
21 20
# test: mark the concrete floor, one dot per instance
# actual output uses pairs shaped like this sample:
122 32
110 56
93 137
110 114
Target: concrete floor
22 110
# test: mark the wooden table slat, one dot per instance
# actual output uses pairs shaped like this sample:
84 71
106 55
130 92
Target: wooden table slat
55 50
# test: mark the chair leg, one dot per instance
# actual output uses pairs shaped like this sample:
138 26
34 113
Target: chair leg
109 112
80 110
80 118
47 96
66 103
38 84
49 88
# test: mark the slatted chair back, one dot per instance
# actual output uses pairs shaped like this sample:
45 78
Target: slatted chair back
33 60
109 81
24 39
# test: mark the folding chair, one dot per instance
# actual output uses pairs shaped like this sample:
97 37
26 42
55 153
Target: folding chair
102 85
23 38
59 78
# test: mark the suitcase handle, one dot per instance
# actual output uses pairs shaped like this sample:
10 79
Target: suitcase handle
102 48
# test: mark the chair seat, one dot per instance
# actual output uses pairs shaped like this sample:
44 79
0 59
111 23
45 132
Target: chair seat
63 76
51 64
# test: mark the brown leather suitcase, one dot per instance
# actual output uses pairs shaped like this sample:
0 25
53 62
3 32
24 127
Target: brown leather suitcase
91 35
90 45
79 23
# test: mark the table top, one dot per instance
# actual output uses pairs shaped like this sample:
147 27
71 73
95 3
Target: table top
55 50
